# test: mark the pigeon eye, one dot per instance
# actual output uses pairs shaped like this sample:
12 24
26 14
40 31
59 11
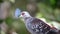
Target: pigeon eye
23 13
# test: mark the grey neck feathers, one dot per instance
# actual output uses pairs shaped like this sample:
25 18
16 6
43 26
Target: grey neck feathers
27 18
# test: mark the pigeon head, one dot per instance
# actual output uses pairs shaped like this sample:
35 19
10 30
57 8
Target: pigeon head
25 14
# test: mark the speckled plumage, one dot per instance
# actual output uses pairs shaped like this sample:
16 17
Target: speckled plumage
37 26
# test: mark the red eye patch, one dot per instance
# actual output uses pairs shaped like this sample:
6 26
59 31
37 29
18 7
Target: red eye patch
23 13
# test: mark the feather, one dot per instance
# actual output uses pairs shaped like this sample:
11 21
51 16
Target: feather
37 26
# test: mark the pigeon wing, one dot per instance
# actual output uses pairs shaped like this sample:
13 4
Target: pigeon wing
39 26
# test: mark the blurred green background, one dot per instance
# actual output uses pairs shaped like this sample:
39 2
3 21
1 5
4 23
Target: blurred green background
47 10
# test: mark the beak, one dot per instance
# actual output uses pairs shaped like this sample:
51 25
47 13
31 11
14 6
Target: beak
20 16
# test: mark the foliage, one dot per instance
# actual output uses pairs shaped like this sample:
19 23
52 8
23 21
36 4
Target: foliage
1 1
49 13
48 9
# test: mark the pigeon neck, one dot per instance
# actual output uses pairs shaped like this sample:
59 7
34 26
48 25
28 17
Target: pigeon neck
27 18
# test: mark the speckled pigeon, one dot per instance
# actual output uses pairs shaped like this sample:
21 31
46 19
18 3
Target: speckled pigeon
37 26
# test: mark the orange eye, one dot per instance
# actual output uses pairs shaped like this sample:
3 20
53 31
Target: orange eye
23 13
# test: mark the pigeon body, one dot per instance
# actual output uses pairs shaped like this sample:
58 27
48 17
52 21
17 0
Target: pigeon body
37 26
